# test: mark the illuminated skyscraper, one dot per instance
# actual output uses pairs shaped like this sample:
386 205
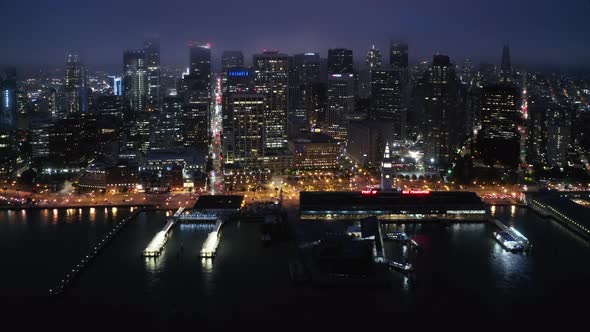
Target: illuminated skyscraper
197 96
272 80
8 105
248 129
232 59
386 99
151 47
135 83
340 104
75 86
398 55
238 81
443 124
374 58
305 76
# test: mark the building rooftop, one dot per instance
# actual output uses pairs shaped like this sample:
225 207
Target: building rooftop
325 201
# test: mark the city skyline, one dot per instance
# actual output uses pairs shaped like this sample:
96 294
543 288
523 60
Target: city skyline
543 34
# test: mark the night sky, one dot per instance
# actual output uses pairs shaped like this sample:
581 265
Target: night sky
538 31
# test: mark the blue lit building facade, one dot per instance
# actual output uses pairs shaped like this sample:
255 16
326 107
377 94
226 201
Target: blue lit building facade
8 99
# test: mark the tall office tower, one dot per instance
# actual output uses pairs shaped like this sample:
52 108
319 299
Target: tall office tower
467 72
305 76
238 80
117 84
8 108
340 104
340 61
135 84
398 55
386 100
197 96
272 80
200 66
374 58
75 86
505 66
248 129
559 134
443 123
499 138
536 139
232 59
151 47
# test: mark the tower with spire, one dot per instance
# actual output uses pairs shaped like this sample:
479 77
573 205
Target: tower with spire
387 174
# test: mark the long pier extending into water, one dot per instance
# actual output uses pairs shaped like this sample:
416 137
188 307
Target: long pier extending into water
155 247
66 282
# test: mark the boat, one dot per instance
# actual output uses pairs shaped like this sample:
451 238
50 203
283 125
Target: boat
407 267
396 236
508 241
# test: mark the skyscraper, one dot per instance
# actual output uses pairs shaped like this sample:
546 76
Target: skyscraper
75 86
135 84
248 129
340 61
197 96
374 58
443 124
499 137
505 66
305 76
8 105
238 80
340 104
398 55
272 80
200 65
151 47
386 99
232 59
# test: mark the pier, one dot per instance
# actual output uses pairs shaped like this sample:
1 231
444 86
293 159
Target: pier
155 247
95 251
209 249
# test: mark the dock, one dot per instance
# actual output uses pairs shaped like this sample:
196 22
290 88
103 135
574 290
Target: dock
209 249
70 276
156 246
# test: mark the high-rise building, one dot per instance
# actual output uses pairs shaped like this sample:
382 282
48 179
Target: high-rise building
499 137
443 123
200 66
151 47
117 84
340 104
386 99
272 80
75 86
8 107
232 59
398 55
340 61
506 66
197 96
305 76
135 83
248 129
374 58
238 80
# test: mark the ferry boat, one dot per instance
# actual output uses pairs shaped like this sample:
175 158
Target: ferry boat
508 241
407 267
396 236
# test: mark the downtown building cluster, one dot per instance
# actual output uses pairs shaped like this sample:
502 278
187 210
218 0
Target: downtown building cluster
283 113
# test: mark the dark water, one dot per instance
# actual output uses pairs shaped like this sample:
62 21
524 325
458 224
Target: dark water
463 274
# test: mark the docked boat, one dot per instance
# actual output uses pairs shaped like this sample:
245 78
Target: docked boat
407 267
